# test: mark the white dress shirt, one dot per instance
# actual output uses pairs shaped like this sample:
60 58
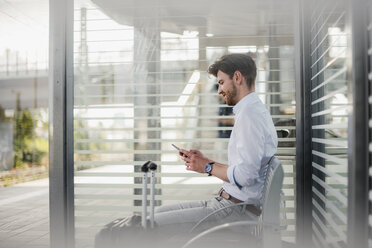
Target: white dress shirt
252 143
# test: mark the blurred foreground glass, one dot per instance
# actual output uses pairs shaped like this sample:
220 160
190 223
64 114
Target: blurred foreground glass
330 109
23 91
141 84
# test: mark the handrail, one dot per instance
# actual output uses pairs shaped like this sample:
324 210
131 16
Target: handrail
227 225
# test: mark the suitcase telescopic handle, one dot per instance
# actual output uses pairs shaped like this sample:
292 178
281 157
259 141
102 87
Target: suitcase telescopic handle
149 165
144 200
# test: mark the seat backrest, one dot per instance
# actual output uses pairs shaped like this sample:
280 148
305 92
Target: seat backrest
271 192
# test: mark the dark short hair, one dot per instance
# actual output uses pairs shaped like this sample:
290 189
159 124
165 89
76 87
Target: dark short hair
231 63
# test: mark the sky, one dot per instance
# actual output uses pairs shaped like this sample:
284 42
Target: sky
24 28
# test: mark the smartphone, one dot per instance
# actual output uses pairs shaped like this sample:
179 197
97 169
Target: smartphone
178 150
176 147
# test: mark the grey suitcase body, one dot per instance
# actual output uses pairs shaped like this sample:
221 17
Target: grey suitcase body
130 231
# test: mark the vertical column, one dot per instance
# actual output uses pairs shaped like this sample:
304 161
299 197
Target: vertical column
318 63
7 61
303 125
83 56
274 73
17 63
358 160
146 69
34 111
61 186
203 67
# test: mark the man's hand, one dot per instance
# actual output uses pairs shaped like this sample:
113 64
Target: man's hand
194 160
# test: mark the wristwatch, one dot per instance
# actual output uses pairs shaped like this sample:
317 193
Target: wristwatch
208 168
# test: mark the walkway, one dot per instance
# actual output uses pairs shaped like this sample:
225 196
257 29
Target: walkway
24 215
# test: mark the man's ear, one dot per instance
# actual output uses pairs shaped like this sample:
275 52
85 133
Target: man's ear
238 77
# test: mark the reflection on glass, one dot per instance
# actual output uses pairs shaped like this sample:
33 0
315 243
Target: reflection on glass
24 148
141 84
330 108
23 92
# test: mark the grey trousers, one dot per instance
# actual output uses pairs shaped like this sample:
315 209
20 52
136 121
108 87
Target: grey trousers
174 222
187 214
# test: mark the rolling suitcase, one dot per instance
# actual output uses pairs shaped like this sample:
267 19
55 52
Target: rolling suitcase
130 231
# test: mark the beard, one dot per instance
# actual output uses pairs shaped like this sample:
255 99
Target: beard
231 96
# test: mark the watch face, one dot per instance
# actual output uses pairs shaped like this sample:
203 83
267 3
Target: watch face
208 168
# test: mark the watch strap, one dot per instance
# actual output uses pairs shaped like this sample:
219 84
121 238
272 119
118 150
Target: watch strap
211 165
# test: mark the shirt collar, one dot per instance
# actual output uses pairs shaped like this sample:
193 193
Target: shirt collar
248 99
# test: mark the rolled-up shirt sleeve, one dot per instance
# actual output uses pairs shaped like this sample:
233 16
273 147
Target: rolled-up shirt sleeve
250 143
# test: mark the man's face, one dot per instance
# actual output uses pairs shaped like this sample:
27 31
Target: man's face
227 88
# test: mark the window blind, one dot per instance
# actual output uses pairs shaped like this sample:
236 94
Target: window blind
141 84
329 106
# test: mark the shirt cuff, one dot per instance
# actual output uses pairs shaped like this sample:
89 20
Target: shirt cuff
231 176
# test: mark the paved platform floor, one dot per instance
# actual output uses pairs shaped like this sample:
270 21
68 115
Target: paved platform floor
24 215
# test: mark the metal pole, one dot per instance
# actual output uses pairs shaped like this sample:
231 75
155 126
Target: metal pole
152 201
7 61
303 126
61 161
144 200
146 69
16 66
358 154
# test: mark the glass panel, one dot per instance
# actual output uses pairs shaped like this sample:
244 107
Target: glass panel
24 42
141 85
330 106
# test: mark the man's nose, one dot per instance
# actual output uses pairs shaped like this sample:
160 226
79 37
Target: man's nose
219 91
